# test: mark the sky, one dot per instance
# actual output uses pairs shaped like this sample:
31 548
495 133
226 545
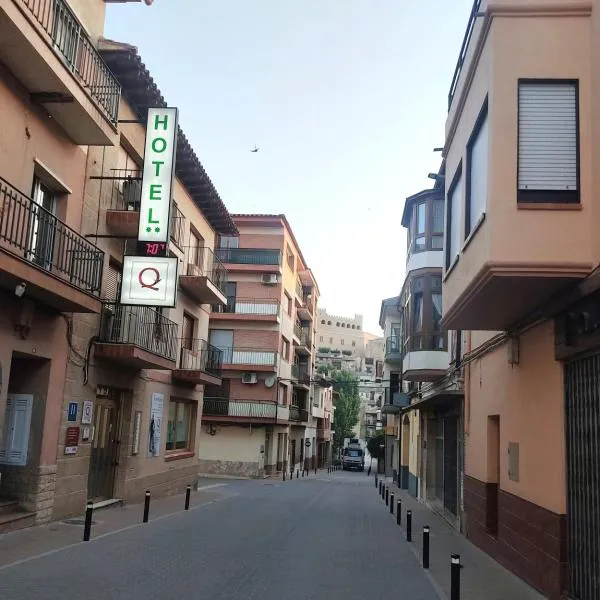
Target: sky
346 100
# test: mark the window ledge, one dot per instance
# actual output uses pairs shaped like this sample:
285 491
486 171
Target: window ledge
451 268
474 231
179 455
548 206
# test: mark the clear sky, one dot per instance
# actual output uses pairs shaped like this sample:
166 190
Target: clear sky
346 100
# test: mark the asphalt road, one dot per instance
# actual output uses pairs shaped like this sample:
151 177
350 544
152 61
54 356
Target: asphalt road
321 538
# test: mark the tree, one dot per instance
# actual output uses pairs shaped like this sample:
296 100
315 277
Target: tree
347 407
323 370
376 448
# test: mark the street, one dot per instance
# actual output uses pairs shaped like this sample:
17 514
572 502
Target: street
316 538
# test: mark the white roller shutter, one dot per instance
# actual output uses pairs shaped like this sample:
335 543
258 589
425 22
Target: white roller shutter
17 423
547 136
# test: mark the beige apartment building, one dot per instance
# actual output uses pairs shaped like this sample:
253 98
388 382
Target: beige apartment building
520 282
59 101
270 413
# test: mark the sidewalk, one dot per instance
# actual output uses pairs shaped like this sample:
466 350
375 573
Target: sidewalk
482 578
26 543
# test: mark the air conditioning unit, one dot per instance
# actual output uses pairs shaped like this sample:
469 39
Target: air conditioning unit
270 278
249 378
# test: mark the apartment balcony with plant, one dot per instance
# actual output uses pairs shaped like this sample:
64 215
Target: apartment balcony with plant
50 53
43 259
137 336
518 164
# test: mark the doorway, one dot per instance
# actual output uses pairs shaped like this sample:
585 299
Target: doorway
104 457
493 468
42 226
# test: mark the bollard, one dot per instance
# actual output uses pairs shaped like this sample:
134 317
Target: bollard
283 476
426 546
146 506
409 525
391 504
315 469
188 491
399 513
455 577
303 471
87 529
376 480
298 474
380 488
387 496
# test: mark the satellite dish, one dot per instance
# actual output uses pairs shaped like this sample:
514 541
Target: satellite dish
270 381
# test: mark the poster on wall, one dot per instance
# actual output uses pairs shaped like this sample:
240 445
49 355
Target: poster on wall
156 412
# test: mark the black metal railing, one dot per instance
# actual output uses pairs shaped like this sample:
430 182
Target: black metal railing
229 407
141 326
121 189
177 233
73 45
35 234
426 341
249 256
202 262
299 289
298 329
298 414
393 345
249 356
301 373
463 51
199 355
263 307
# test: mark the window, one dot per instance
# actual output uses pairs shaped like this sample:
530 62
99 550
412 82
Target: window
177 225
548 163
288 304
195 254
341 342
320 338
331 340
229 241
223 340
420 226
453 235
42 225
179 426
354 343
477 174
285 349
322 321
290 258
436 301
417 313
189 327
437 234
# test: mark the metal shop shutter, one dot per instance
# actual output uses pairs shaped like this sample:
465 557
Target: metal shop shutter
547 136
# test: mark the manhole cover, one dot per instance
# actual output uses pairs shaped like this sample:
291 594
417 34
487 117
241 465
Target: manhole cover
77 522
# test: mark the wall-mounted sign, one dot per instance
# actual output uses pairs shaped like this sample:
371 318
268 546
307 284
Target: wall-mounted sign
157 179
149 281
87 413
156 415
71 440
72 412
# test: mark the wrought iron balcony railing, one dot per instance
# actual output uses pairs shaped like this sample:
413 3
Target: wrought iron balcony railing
262 307
298 414
299 289
249 256
202 262
140 326
199 355
230 407
33 233
73 45
393 345
301 373
249 356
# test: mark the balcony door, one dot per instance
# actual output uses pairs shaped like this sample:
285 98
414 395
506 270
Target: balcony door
223 340
42 225
195 266
187 343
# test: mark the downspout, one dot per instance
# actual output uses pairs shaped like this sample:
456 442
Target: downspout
467 387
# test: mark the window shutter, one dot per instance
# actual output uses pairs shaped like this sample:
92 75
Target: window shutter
17 422
455 206
547 136
113 283
478 174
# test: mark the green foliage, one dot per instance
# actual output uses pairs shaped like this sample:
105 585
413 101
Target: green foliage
347 352
323 370
324 350
374 445
347 407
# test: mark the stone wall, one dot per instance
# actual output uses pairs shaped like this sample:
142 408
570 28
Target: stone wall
233 468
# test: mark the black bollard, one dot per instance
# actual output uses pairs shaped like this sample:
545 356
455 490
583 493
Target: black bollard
87 529
298 474
455 577
426 546
146 506
409 525
399 513
376 480
387 496
391 504
302 471
188 491
283 476
380 488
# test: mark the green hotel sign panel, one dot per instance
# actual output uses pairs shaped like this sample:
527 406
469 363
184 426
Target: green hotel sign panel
157 182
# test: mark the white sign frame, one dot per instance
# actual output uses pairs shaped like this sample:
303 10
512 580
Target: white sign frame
157 404
87 412
160 151
149 281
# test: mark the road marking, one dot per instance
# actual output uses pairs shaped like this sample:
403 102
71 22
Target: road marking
214 485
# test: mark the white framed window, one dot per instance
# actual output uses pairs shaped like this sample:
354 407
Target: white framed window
477 172
17 424
454 219
548 153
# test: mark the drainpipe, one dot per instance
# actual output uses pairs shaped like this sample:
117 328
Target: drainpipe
467 388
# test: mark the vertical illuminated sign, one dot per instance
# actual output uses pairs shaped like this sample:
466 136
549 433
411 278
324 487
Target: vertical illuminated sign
157 181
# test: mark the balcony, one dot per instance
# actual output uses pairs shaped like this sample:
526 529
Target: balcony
426 357
249 359
50 53
299 292
246 309
304 344
138 337
60 268
199 363
393 349
307 309
250 259
235 410
301 375
298 414
205 277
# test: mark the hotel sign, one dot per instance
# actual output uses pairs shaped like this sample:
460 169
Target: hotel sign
157 180
149 281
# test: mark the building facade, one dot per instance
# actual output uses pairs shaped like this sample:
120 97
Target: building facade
267 416
54 114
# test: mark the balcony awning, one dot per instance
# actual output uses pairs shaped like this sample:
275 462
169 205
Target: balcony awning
435 400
